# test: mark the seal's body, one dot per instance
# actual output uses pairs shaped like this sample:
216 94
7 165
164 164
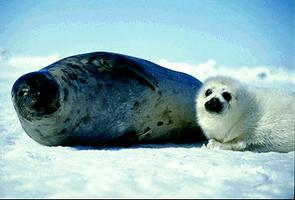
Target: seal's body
234 116
104 99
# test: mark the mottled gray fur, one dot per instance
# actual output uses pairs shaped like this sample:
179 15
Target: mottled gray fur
109 99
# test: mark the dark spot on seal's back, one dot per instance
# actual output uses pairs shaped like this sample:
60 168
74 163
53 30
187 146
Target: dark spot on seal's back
63 131
73 76
64 71
63 78
66 92
160 123
74 66
82 80
166 116
68 119
86 119
136 104
167 112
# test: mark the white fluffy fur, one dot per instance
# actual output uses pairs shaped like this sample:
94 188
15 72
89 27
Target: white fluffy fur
254 119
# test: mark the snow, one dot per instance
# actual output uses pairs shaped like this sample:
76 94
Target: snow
30 170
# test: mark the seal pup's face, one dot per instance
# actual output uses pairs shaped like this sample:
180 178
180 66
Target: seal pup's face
217 103
220 103
217 96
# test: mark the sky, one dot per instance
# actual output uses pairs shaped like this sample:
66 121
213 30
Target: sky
232 32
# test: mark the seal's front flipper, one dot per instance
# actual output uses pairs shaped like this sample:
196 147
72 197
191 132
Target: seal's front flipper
123 65
134 70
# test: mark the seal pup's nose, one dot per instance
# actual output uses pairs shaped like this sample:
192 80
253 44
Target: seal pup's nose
36 94
214 105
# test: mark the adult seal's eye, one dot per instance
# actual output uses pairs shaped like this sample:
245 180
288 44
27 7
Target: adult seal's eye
226 96
208 92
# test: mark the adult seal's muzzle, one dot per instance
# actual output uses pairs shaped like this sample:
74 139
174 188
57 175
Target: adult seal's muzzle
35 95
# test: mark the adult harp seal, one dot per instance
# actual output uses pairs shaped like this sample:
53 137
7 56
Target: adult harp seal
106 98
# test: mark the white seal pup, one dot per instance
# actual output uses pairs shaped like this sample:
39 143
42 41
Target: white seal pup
104 98
234 116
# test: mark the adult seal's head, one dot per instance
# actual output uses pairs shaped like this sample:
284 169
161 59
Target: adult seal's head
37 99
36 95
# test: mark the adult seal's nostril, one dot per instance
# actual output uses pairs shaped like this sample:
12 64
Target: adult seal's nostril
214 105
36 94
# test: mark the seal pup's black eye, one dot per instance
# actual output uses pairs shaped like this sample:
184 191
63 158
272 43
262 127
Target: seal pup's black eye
226 96
208 92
